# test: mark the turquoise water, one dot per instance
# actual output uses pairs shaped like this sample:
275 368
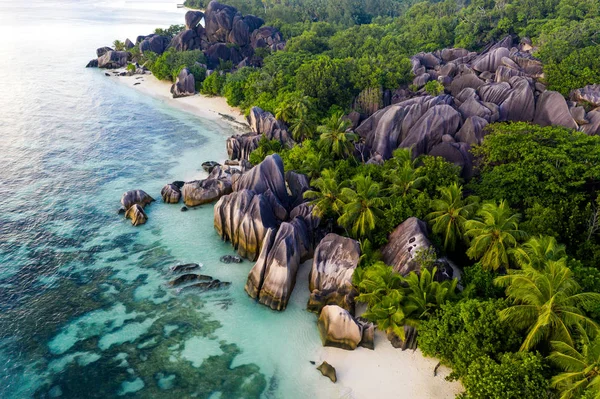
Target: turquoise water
85 309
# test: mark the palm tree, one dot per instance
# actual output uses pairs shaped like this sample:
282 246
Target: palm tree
582 368
285 111
327 198
425 295
334 137
547 303
362 207
537 250
405 180
450 213
302 127
494 236
313 164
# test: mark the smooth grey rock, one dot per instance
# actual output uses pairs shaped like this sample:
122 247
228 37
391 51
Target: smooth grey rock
338 328
185 84
136 214
171 194
429 129
552 109
113 59
139 197
472 131
404 243
268 175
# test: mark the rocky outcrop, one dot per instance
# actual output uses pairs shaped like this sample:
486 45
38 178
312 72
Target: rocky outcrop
592 128
328 371
113 59
338 328
273 277
185 84
404 244
240 146
589 94
154 43
205 191
139 197
93 63
297 184
171 194
193 18
429 129
136 214
267 176
552 109
330 279
102 50
244 217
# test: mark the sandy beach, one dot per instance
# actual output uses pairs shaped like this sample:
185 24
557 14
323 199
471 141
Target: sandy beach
200 105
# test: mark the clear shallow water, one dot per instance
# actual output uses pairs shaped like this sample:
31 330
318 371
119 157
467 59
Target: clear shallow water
85 310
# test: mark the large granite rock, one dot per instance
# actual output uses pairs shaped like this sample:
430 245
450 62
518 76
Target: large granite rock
205 191
520 103
491 60
593 127
244 217
429 129
218 21
298 183
190 39
552 109
240 146
404 243
102 50
472 131
155 43
136 214
113 59
185 84
139 197
273 277
338 328
193 18
171 194
263 122
268 175
330 278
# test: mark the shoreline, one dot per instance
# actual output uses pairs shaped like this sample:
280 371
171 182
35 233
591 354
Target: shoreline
362 373
213 108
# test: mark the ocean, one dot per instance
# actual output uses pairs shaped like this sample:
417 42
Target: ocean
85 306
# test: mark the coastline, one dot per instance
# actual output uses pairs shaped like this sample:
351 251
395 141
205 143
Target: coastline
213 108
362 373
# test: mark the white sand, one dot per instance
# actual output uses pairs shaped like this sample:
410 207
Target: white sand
200 105
387 372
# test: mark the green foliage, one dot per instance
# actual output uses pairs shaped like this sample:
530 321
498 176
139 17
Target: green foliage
450 213
461 333
439 173
171 31
479 283
327 199
131 67
551 175
213 84
581 365
363 202
168 65
514 376
548 303
119 45
580 68
334 138
265 147
394 301
494 235
434 87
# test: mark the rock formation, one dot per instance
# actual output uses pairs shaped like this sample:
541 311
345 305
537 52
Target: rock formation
330 279
185 84
199 192
138 197
113 59
328 371
405 242
171 194
136 214
338 328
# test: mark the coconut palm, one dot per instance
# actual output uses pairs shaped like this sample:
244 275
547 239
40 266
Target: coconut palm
494 236
285 111
450 213
362 209
424 295
582 368
313 164
405 180
302 127
335 137
547 303
327 198
537 250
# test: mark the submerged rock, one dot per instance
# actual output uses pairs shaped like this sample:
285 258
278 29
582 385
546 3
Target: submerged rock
328 371
186 278
230 259
185 267
338 328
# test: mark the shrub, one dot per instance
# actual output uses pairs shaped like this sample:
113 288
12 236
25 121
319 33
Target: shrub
213 84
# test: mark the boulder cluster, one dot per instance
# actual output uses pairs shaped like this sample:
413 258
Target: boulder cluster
226 36
498 84
199 192
133 203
